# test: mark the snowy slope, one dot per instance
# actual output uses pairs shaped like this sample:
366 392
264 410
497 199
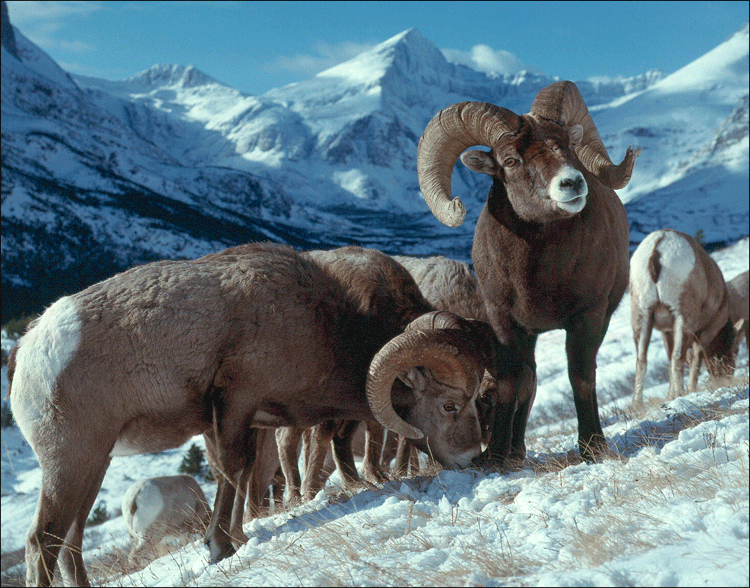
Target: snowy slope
671 510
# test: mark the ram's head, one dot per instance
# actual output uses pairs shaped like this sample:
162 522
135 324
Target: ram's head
543 160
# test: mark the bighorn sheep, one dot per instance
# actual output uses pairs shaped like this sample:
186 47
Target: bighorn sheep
551 243
738 310
367 277
451 285
255 336
447 285
162 510
676 287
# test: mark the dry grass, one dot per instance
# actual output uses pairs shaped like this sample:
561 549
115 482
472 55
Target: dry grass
624 519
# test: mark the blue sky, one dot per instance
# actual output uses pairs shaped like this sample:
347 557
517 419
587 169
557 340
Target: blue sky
256 46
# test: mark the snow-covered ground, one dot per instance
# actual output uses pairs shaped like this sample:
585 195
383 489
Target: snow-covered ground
670 510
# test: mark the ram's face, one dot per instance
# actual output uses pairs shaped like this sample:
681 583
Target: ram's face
537 169
447 414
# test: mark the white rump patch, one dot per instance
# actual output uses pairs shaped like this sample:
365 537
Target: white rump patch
569 190
641 286
43 353
677 261
149 505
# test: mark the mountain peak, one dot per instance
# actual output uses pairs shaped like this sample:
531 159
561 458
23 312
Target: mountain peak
408 50
171 74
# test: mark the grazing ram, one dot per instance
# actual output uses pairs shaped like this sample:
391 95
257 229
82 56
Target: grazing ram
676 287
451 285
255 336
447 285
160 511
378 281
551 243
738 310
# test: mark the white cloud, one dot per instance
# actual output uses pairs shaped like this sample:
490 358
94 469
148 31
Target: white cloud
33 12
41 21
486 59
326 56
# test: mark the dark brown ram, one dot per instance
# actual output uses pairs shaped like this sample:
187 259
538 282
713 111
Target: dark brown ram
551 243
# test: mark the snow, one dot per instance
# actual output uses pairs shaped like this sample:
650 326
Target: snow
669 508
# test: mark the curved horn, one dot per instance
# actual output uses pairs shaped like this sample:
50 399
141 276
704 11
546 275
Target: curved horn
561 102
451 131
437 319
481 340
436 350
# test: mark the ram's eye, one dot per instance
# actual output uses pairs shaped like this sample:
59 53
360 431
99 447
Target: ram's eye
510 162
449 407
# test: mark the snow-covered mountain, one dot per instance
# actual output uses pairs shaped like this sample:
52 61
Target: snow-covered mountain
99 175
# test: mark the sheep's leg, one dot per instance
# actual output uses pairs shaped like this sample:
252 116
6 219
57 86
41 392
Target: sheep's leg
390 448
695 365
61 502
278 484
287 440
71 557
236 444
342 453
676 360
258 496
372 470
507 447
521 417
243 492
581 345
668 337
642 336
407 458
401 465
319 442
212 457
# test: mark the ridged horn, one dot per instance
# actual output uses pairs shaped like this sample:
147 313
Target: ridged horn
480 336
437 319
561 102
437 350
448 134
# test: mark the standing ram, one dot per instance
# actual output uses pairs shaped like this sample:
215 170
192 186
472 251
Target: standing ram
676 287
255 336
551 243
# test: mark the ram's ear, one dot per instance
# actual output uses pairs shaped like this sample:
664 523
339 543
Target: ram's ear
481 162
576 135
414 379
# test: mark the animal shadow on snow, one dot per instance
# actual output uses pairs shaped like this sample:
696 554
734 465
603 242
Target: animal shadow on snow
338 507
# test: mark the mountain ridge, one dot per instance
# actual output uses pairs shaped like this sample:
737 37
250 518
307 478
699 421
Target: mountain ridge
125 171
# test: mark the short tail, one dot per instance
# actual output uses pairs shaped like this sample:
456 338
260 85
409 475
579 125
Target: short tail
654 263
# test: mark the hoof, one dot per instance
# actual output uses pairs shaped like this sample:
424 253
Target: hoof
594 451
218 552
